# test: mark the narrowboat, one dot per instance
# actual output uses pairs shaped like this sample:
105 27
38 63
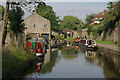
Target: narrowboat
76 40
88 44
37 46
40 51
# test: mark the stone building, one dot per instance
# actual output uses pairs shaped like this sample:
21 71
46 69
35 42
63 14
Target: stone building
69 33
98 17
84 33
36 24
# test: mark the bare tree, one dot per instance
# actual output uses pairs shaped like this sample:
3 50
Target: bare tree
5 21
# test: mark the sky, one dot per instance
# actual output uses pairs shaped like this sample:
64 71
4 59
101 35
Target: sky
78 0
78 9
63 0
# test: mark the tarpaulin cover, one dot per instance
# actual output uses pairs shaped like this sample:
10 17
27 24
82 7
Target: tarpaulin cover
34 45
28 45
38 45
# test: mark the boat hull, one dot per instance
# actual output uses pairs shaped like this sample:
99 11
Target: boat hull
39 54
86 47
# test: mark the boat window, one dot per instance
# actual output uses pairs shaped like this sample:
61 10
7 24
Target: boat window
93 41
90 42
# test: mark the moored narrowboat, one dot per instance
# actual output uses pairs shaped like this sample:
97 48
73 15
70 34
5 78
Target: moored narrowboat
37 46
89 44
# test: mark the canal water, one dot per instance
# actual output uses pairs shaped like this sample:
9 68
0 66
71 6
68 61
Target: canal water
71 61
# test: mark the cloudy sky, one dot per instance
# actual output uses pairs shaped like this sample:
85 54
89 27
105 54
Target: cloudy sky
79 8
78 0
62 0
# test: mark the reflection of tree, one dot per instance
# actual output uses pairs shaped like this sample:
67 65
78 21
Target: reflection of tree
69 53
106 62
108 65
48 67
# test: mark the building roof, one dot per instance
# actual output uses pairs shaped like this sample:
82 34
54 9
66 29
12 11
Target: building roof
37 15
101 14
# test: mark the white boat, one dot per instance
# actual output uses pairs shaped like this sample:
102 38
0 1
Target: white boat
39 54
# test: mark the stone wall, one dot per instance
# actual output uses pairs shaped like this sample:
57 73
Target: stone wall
75 33
111 35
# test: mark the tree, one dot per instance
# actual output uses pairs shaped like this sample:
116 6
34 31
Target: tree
16 21
88 19
47 12
112 17
71 22
25 5
5 21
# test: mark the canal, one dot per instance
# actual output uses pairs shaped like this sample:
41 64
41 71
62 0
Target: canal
71 61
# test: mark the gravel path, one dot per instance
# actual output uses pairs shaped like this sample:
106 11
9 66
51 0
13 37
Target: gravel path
112 47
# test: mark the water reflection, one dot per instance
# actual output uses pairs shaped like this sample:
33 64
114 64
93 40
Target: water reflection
71 61
90 56
48 61
69 53
49 66
39 67
109 63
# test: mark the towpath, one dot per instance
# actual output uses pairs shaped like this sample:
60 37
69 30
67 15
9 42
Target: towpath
111 47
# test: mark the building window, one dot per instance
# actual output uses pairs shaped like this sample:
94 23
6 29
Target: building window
45 25
35 26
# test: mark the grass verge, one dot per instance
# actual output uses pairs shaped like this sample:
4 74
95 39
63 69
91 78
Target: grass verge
15 62
105 42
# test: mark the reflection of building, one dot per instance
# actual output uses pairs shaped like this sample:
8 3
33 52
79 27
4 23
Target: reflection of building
37 24
67 45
